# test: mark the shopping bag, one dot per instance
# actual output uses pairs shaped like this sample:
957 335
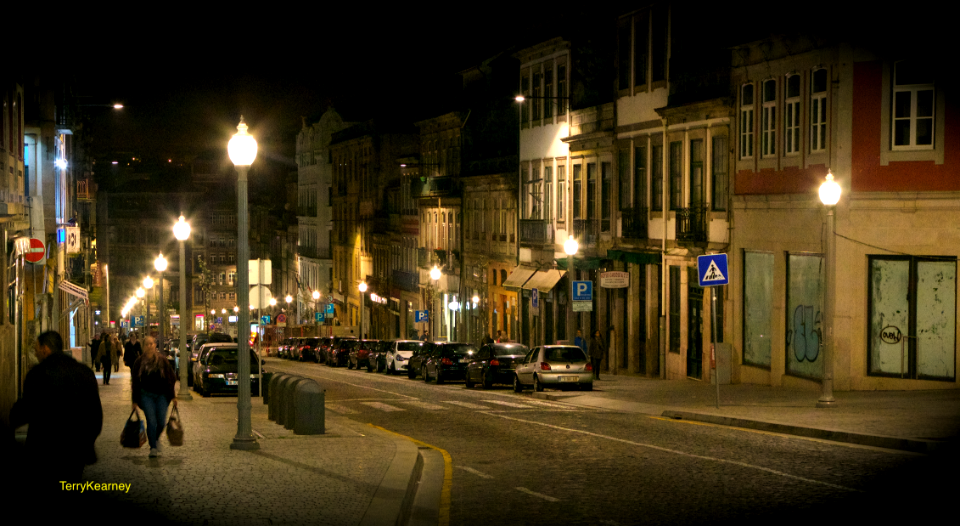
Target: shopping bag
134 433
175 428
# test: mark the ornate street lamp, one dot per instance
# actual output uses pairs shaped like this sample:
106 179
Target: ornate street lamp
243 150
161 265
181 231
829 196
363 294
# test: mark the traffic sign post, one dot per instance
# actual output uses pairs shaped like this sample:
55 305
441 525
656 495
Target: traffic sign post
535 301
713 272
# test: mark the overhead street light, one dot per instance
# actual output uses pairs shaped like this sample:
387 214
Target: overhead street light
243 151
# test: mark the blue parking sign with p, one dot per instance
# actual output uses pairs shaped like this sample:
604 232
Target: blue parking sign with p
318 317
582 291
712 270
421 316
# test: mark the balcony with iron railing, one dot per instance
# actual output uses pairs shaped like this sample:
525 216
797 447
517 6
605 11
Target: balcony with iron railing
692 224
314 252
586 231
536 231
307 211
634 222
408 281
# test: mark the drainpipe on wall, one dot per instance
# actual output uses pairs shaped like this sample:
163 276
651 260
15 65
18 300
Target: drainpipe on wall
663 255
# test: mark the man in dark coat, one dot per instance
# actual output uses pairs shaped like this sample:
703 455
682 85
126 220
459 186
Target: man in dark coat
131 350
61 404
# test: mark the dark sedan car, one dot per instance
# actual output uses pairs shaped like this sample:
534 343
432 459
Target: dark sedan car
448 361
306 349
340 352
494 364
418 359
363 354
217 371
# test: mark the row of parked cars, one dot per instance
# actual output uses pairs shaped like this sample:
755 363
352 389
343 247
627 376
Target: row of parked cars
556 366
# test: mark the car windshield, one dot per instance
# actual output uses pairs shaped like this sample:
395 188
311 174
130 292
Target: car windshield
409 346
229 356
564 354
509 350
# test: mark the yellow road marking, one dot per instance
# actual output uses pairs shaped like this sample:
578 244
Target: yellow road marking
447 475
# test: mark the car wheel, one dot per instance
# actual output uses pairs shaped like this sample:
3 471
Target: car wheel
586 387
469 383
487 380
517 386
410 373
537 386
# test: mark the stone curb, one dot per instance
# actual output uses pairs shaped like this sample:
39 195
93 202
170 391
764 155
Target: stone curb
426 506
394 498
904 444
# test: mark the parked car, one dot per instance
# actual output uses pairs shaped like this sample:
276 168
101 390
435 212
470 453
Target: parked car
202 338
398 353
380 357
323 348
555 366
448 361
340 352
217 370
494 364
418 359
360 354
305 349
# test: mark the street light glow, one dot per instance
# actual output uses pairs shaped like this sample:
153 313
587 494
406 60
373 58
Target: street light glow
435 273
181 229
273 302
242 147
141 292
289 298
118 106
829 191
519 98
316 295
160 263
362 286
148 282
570 246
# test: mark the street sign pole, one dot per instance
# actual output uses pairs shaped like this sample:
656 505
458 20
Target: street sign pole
713 346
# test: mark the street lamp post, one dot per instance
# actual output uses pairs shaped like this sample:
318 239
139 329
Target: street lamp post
829 196
161 264
316 320
363 294
435 275
148 285
243 150
570 247
181 230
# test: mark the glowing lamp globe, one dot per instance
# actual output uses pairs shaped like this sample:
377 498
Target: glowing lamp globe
242 147
829 191
181 229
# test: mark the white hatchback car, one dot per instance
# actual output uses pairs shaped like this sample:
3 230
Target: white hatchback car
399 353
554 366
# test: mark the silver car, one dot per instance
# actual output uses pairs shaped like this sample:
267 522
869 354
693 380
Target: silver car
555 366
399 353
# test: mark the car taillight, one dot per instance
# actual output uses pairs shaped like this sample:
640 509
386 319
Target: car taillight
446 361
495 362
589 367
544 366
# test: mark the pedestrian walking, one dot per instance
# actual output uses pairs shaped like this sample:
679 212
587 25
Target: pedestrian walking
581 343
425 336
61 404
105 357
597 351
153 389
499 338
117 349
94 347
132 350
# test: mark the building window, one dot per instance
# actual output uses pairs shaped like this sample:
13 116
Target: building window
525 90
547 191
804 297
658 51
719 171
591 190
757 306
537 92
623 171
536 192
577 189
791 116
676 174
640 176
768 119
656 159
561 191
913 305
623 51
605 196
746 121
548 91
697 174
818 111
641 44
561 87
913 106
526 197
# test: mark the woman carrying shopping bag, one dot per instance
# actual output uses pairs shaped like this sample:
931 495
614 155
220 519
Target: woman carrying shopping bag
153 389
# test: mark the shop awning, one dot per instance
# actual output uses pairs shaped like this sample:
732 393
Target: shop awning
544 280
635 257
518 277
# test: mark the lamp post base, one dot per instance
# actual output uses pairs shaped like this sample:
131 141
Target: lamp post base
184 394
245 444
823 403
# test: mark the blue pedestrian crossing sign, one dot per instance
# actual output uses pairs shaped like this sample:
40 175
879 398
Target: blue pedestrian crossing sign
712 270
421 316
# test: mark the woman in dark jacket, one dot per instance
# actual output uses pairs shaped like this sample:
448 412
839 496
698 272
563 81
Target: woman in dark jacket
597 351
104 357
153 389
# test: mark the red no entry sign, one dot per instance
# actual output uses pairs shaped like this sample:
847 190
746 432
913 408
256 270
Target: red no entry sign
36 251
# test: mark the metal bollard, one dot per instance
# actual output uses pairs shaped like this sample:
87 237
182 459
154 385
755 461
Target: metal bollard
274 387
310 416
265 387
283 390
290 400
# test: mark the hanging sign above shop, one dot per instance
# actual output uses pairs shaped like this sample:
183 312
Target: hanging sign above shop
615 280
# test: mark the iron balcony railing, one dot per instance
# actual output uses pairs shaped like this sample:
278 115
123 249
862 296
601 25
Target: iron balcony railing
692 224
408 281
587 231
535 231
634 222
